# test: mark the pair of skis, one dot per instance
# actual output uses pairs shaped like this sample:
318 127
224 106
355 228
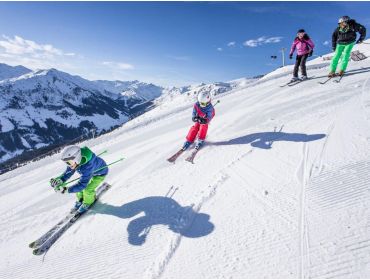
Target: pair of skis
330 78
296 82
190 158
43 244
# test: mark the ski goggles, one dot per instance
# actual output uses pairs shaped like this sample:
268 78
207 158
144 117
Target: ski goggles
69 161
203 104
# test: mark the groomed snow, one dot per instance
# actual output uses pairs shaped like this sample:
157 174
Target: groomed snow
280 191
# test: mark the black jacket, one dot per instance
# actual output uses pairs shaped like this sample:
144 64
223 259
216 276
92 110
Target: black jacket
348 36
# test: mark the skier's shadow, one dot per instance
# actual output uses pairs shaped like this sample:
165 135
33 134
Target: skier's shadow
159 210
264 140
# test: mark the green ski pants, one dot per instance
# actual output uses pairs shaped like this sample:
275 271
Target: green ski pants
87 195
346 51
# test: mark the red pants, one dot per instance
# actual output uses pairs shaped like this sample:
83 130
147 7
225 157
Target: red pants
197 127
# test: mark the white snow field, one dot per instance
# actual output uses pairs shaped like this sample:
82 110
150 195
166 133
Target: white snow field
281 191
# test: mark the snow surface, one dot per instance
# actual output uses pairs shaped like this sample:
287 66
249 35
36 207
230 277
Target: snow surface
280 191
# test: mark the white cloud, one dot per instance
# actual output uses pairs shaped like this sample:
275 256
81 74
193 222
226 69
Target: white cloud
220 49
261 41
119 65
326 43
231 44
19 51
19 46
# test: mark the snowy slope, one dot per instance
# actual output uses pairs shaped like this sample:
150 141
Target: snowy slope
280 191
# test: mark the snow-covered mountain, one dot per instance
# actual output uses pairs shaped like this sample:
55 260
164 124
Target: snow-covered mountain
8 72
280 190
47 108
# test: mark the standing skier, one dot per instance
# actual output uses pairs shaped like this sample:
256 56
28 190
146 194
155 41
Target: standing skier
203 112
343 40
85 162
304 46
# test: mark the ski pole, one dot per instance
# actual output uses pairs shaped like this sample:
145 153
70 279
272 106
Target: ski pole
218 101
101 168
103 152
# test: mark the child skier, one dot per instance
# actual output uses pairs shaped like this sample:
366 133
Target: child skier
304 46
203 112
85 162
343 40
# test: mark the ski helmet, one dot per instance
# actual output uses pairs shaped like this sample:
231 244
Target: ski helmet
72 154
343 19
204 99
301 31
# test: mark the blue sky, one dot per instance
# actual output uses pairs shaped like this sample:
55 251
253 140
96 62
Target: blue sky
166 43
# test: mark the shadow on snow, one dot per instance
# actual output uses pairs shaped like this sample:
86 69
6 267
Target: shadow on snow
159 210
264 140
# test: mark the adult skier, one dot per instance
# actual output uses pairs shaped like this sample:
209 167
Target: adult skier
343 40
203 113
91 168
304 46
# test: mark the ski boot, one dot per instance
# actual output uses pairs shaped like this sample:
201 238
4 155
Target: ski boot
83 208
294 79
331 75
341 73
199 144
186 145
78 203
304 78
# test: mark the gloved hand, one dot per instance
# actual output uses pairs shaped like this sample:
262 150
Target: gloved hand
333 48
195 119
359 41
290 56
54 182
58 185
62 189
310 53
202 120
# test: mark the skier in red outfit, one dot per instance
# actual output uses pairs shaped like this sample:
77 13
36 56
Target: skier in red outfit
203 112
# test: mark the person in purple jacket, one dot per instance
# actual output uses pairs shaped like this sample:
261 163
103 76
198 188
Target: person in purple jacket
304 46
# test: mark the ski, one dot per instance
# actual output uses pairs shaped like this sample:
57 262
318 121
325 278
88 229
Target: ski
293 83
327 80
52 236
338 80
288 83
50 232
192 156
175 156
299 81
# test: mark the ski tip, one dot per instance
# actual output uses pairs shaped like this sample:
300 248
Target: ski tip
37 252
31 245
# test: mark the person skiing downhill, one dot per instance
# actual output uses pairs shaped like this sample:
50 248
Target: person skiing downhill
343 40
85 162
203 113
304 46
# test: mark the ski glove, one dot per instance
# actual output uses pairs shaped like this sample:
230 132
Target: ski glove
290 56
58 185
62 189
54 182
310 53
202 121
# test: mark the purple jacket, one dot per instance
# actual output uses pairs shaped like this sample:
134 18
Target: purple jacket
303 46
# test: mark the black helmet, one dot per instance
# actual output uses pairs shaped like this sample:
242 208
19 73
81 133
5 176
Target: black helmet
343 19
301 31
